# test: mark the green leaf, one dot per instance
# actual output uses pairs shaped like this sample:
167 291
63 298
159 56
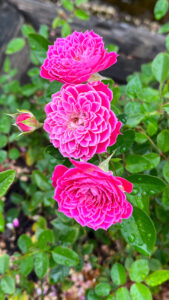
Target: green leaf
24 243
67 4
147 184
81 14
167 42
15 45
153 159
139 231
7 65
92 296
4 124
134 87
54 87
157 277
162 140
14 153
141 201
112 297
102 289
65 256
2 222
33 72
160 9
149 95
44 238
136 163
118 274
123 293
3 156
112 48
39 46
160 66
164 28
41 180
139 291
11 214
154 264
27 29
139 270
36 200
3 140
166 171
44 31
41 264
26 265
140 138
58 273
4 263
66 30
165 198
6 179
7 285
166 108
123 143
79 2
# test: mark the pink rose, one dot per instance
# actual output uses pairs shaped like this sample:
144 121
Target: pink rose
79 120
92 197
75 58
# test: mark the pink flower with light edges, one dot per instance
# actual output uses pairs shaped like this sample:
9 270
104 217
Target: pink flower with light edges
75 58
79 120
92 197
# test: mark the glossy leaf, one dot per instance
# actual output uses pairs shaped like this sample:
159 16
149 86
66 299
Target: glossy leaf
160 66
24 243
26 265
163 140
41 264
123 293
157 277
139 231
15 45
6 179
147 184
102 289
160 9
39 46
7 285
4 263
118 274
65 256
139 291
139 270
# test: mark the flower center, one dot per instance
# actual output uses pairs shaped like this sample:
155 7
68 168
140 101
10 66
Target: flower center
75 122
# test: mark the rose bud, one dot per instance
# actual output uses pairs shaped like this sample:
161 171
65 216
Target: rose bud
26 121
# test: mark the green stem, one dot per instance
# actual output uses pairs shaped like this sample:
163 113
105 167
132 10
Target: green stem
153 144
42 292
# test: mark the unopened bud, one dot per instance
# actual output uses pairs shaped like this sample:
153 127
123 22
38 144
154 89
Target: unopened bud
26 121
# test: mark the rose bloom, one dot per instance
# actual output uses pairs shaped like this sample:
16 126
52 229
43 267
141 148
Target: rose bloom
92 197
75 58
79 120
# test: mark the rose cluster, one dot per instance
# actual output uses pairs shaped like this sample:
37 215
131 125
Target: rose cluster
80 123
